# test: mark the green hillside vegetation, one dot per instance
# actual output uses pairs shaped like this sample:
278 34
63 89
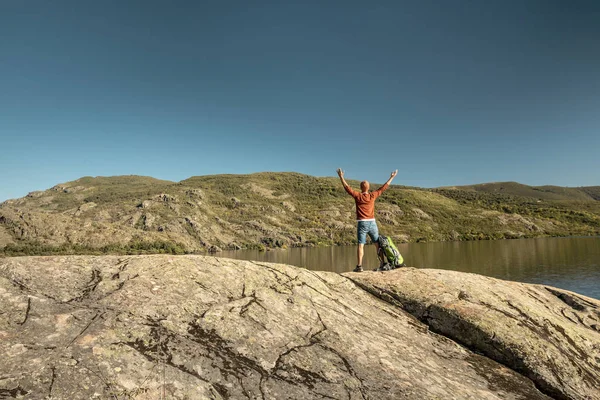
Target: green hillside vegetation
134 214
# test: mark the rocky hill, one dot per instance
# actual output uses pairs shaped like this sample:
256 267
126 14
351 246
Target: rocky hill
133 214
198 327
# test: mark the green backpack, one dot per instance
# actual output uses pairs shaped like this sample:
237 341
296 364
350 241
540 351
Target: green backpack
389 251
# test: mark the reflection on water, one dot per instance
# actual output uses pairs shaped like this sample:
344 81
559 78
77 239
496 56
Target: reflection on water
568 263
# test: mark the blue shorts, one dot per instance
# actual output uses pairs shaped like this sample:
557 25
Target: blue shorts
365 227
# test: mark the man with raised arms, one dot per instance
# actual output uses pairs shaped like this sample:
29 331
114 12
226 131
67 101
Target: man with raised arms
365 213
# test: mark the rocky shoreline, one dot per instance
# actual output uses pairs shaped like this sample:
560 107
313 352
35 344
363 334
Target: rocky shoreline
195 327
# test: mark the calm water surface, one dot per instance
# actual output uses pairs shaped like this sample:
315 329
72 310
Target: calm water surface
568 263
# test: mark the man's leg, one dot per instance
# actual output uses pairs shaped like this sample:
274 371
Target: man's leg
360 253
374 234
361 236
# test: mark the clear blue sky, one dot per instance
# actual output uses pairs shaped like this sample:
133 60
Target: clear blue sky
449 92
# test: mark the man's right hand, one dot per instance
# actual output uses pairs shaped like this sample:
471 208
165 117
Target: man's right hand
340 172
393 174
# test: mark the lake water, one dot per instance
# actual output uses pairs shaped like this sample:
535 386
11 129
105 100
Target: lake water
569 263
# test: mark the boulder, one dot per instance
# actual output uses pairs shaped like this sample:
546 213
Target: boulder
195 327
289 206
149 220
195 193
74 189
214 249
550 335
166 198
36 194
420 214
146 204
84 207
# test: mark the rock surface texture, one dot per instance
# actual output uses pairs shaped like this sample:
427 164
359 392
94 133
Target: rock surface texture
193 327
550 335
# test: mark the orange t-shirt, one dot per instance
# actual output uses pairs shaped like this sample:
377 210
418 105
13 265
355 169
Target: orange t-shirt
365 202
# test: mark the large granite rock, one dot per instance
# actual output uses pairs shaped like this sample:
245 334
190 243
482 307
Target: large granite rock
550 335
192 327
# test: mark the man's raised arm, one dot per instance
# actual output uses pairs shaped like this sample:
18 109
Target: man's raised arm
392 176
340 173
385 185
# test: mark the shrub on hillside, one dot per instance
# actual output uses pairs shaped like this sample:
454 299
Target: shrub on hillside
134 247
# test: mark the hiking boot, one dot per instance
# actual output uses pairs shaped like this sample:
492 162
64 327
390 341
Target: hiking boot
358 269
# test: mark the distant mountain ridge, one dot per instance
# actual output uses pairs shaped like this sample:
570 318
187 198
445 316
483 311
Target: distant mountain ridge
546 192
138 214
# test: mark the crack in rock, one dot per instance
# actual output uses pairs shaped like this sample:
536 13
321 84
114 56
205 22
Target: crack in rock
13 393
52 382
89 287
98 314
26 311
450 324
